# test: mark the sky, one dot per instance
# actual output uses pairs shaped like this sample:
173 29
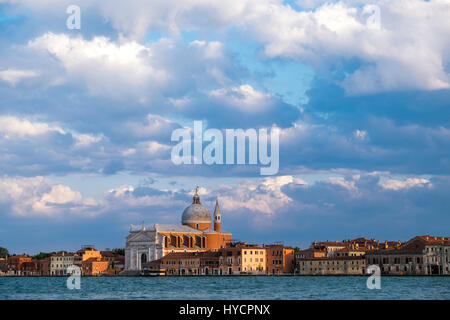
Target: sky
360 91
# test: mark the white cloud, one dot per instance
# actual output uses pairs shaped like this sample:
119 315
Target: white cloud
14 76
105 67
38 196
410 50
245 98
128 152
124 69
16 127
264 196
154 148
85 140
360 134
153 126
392 184
347 184
123 198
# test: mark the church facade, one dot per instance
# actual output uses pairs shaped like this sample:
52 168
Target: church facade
195 234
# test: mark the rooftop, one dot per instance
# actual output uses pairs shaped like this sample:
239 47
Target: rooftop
170 228
332 258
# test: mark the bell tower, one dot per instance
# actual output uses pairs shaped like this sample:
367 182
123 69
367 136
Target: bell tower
217 218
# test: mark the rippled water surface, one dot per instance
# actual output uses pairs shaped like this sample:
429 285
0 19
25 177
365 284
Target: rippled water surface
225 288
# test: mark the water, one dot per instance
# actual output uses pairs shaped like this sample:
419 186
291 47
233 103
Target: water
221 288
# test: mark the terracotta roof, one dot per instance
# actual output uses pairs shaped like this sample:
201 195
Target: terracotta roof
69 254
331 243
107 253
360 249
244 245
311 250
433 239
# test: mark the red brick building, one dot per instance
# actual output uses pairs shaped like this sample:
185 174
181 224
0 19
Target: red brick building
280 259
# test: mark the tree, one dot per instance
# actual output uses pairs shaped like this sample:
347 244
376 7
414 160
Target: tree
3 252
119 251
42 255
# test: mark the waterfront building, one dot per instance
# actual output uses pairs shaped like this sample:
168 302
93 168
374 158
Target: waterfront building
243 258
235 259
44 267
350 252
119 264
280 259
59 262
30 268
311 252
351 247
186 263
15 263
422 255
354 265
116 262
87 252
253 260
195 234
94 266
108 256
330 247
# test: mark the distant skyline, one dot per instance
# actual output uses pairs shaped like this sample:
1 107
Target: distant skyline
86 118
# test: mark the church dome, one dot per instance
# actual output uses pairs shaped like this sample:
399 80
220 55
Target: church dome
196 213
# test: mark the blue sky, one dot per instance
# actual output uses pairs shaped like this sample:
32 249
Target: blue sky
86 118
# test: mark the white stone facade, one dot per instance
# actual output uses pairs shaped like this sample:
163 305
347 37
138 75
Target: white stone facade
143 246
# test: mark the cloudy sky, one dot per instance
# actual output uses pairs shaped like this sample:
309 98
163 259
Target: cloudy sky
86 117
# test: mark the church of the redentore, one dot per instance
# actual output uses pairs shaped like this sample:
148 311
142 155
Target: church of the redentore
148 243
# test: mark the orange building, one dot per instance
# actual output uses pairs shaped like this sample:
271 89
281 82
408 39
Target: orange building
280 259
94 267
88 252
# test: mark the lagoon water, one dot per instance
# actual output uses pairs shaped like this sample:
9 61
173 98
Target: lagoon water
222 288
